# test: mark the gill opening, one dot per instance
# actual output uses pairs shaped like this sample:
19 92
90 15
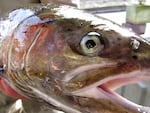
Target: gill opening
37 34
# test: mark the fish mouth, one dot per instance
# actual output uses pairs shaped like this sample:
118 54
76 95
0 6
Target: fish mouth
105 88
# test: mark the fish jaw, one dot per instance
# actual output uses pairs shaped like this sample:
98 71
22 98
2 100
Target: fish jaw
79 81
104 89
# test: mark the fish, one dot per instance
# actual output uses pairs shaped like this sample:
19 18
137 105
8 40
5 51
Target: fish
70 60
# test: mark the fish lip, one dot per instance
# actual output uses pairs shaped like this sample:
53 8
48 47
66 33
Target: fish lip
103 90
72 74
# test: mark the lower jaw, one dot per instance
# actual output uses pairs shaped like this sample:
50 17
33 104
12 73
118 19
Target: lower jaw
106 91
114 97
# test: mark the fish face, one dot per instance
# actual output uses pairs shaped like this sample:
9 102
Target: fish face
64 57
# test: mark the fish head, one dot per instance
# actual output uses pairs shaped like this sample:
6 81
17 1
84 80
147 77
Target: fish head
62 53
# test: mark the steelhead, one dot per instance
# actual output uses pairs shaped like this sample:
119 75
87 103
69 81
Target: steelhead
71 60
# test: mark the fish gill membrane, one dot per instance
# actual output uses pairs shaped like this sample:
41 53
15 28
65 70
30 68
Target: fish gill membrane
70 60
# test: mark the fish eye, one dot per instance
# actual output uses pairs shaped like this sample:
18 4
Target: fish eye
91 44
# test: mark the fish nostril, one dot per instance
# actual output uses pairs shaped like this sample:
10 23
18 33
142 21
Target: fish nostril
135 57
135 44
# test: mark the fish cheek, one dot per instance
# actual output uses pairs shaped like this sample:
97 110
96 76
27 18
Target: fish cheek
42 56
44 60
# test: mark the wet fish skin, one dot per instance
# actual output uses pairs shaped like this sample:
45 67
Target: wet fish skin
45 60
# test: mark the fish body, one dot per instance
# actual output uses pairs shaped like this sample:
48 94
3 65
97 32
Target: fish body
71 60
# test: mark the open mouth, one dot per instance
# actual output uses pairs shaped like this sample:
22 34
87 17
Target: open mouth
105 88
108 89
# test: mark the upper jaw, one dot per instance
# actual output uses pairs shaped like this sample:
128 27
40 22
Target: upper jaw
99 73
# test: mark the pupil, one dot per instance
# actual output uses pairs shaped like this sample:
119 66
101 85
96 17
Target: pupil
90 44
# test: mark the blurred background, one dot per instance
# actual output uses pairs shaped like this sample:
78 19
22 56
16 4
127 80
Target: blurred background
133 14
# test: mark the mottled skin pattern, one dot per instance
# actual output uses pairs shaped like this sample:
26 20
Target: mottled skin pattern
102 106
40 57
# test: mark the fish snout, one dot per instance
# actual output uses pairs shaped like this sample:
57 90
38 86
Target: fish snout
141 52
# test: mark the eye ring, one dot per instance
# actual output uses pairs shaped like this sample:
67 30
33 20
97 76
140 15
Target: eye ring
92 44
